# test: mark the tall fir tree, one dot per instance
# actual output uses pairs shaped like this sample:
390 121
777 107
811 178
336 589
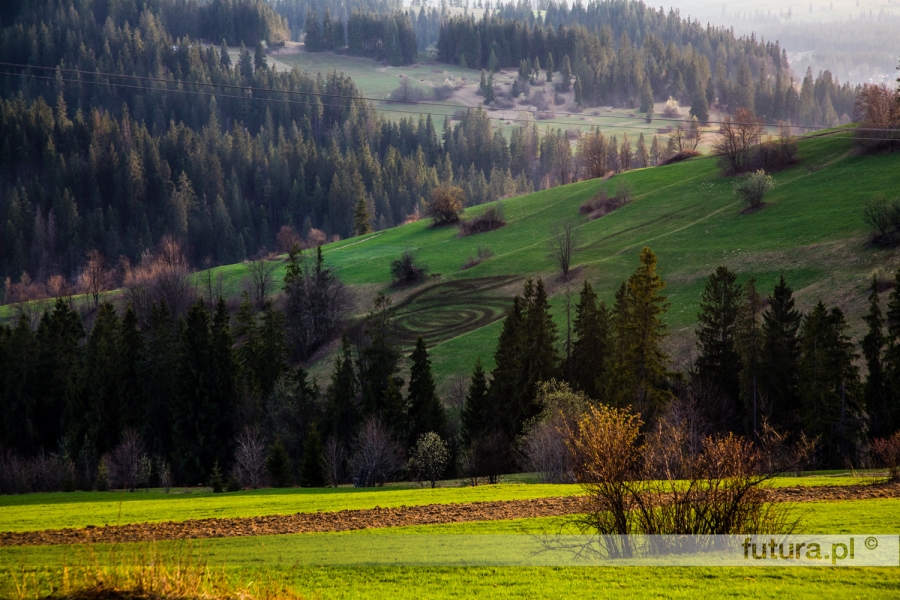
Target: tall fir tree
100 414
718 362
640 373
875 393
477 417
781 322
379 364
59 376
749 343
424 408
592 340
828 384
312 468
341 410
892 357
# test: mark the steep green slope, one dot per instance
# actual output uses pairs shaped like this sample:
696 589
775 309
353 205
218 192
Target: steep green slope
811 228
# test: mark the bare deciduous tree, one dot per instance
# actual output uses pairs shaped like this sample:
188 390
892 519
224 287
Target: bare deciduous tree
94 278
250 458
592 154
562 242
261 279
335 459
128 464
377 457
737 136
162 276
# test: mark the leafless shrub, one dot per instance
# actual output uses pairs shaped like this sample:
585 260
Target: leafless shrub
128 463
41 473
887 451
602 204
287 238
781 454
719 490
489 220
487 457
562 242
94 278
672 109
539 100
883 216
446 206
261 280
482 254
335 461
164 473
250 458
377 456
211 285
408 268
879 113
737 137
161 276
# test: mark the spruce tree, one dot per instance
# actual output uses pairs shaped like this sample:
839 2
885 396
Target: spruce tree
362 220
157 373
591 348
873 345
643 363
477 415
312 469
892 358
58 376
341 411
379 365
550 67
748 341
19 352
781 322
132 350
278 465
100 415
718 362
507 374
426 413
828 381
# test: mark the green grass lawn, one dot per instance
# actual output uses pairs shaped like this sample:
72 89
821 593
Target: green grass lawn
29 512
284 558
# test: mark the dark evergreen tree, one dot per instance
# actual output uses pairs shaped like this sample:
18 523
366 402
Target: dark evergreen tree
781 352
156 371
718 362
424 408
875 394
132 351
591 347
749 343
99 416
21 416
378 367
312 469
341 410
58 377
479 415
828 385
278 465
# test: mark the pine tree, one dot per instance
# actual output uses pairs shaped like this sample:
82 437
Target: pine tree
100 415
892 358
362 220
379 365
640 373
477 416
781 321
540 361
700 106
312 469
566 74
646 96
278 465
591 347
426 413
132 350
507 374
828 381
550 67
719 362
341 411
58 378
748 341
224 59
873 347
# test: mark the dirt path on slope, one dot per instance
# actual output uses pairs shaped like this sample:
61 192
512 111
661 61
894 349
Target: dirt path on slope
347 520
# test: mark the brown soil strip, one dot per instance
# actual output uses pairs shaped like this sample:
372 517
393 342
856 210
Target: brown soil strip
347 520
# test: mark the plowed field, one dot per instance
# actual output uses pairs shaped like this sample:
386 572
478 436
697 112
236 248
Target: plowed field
347 520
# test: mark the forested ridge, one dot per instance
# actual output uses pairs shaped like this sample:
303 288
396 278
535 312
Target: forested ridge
627 53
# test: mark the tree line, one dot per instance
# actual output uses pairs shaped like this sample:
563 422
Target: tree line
217 392
628 54
388 37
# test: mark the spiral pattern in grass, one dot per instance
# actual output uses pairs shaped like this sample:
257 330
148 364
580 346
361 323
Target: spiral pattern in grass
446 310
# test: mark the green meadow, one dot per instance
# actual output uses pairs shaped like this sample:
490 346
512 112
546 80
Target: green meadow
287 559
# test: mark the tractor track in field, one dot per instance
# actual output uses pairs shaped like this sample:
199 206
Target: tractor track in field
378 517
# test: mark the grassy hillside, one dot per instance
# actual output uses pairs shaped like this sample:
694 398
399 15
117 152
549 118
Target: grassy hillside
811 228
